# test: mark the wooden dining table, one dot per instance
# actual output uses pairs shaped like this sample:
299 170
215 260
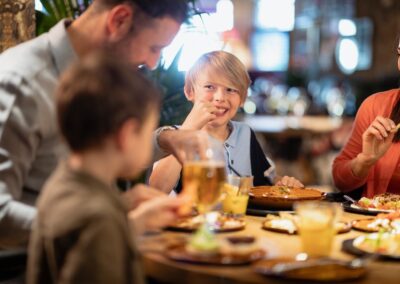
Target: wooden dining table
277 245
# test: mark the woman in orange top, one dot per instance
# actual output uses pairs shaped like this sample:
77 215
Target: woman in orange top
371 157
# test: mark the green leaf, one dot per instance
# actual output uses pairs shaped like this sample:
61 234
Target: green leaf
48 7
44 22
61 9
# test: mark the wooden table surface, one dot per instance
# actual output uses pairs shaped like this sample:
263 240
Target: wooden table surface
158 267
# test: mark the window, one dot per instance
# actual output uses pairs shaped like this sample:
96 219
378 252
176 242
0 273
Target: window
202 35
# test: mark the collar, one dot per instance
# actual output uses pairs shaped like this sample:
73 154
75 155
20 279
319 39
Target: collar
233 137
60 46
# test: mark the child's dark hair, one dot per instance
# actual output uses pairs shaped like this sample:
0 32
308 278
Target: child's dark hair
97 95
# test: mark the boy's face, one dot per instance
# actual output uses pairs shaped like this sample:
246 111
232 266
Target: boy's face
138 147
213 88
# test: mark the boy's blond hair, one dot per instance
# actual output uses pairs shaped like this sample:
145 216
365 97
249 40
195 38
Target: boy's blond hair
222 64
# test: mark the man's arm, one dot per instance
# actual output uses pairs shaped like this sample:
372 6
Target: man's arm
179 143
18 145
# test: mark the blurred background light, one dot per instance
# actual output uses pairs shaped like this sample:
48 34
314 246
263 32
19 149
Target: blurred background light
347 54
271 51
274 14
200 36
347 27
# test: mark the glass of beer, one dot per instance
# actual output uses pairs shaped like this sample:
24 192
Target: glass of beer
316 224
204 178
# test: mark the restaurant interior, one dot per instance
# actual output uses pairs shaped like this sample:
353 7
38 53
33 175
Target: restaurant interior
312 63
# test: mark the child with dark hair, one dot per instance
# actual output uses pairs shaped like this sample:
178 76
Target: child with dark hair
106 114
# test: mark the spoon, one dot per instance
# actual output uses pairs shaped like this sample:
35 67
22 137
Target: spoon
349 199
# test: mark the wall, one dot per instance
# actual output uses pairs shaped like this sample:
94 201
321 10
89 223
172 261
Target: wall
17 22
385 15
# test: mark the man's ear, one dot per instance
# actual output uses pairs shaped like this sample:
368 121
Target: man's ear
127 131
189 93
119 22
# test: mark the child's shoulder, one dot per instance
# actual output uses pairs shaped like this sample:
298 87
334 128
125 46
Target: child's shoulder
68 195
241 126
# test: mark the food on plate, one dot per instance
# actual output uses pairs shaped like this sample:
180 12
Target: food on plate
219 223
205 243
239 245
382 243
277 191
281 197
383 222
286 223
384 201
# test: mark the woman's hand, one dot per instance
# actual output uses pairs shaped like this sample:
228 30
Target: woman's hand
289 181
377 139
201 114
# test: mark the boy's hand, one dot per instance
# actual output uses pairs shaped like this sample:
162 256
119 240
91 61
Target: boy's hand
155 214
140 193
290 182
201 113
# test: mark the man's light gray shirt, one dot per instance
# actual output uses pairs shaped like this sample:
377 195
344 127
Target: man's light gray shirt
29 140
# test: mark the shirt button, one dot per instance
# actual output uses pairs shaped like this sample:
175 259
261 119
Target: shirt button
226 145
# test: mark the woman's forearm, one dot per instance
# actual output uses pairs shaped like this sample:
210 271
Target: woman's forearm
361 165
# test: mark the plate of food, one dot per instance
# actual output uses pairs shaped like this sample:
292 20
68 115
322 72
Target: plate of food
281 197
321 270
286 223
223 223
385 245
381 203
382 222
205 248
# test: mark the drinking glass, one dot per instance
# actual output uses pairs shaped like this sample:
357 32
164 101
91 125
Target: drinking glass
316 225
204 178
236 197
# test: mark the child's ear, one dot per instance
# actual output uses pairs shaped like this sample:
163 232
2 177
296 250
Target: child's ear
189 94
127 131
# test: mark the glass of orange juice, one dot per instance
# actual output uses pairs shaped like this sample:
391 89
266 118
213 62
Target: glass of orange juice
316 225
236 192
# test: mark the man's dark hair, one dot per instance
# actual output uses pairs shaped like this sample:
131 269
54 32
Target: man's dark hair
176 9
97 95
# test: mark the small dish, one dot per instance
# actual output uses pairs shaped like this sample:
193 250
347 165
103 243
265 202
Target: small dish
353 208
371 225
288 226
223 224
180 253
366 245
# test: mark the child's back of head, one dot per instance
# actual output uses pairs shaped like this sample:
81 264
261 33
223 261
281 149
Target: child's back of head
97 95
